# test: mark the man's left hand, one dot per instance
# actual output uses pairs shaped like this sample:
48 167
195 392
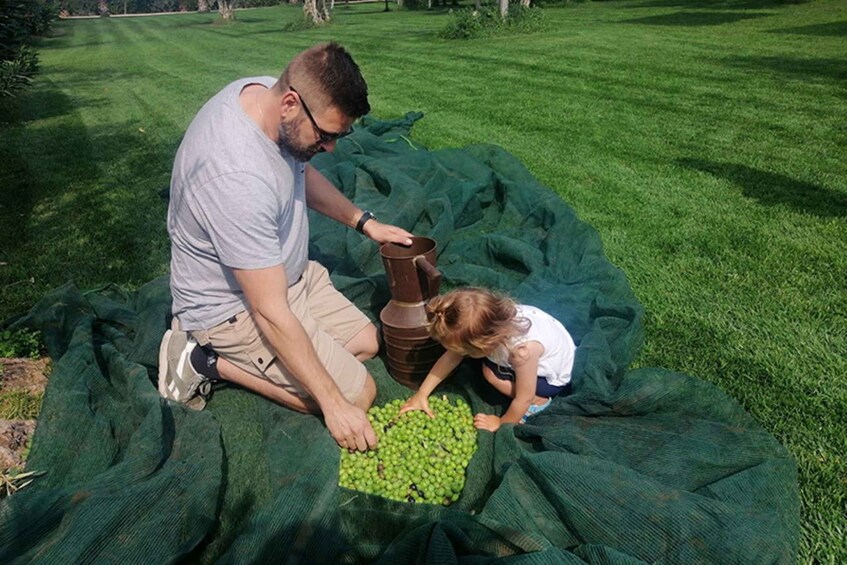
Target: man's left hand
386 233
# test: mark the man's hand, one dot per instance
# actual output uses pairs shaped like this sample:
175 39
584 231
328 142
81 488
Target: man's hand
386 233
349 427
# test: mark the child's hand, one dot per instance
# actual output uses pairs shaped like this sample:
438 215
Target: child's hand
417 402
486 422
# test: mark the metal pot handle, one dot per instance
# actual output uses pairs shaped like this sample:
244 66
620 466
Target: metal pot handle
433 275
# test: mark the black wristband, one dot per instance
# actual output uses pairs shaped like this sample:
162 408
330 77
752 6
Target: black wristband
366 215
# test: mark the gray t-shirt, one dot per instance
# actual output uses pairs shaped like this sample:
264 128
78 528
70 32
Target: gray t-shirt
237 201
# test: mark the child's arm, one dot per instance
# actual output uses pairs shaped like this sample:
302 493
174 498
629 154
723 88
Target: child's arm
440 371
524 360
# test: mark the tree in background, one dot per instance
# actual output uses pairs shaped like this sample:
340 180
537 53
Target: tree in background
226 8
316 11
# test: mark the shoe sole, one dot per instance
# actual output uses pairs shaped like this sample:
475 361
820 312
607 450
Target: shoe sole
163 363
543 408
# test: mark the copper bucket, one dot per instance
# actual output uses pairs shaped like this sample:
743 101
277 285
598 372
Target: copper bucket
412 280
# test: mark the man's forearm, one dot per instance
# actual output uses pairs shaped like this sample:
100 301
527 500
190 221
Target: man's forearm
295 350
322 196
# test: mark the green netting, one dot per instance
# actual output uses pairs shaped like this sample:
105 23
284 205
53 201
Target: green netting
635 466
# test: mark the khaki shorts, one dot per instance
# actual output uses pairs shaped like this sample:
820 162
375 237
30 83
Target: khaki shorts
330 320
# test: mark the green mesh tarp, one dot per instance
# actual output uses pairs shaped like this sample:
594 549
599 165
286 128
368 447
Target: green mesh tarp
635 466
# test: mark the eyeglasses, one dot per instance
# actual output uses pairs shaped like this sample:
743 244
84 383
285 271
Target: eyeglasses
323 136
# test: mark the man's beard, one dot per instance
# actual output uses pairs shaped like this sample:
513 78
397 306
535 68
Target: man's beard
287 133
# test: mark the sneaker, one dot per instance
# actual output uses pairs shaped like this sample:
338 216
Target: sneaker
535 409
178 381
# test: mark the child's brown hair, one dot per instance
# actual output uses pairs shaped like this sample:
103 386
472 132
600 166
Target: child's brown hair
474 316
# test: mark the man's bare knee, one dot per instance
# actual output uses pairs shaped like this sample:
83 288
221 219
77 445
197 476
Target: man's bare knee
368 394
365 344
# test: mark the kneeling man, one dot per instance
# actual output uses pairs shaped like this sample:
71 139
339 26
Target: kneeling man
249 307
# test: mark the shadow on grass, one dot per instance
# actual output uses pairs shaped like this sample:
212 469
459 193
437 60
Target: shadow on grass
95 82
834 70
704 345
772 189
338 14
237 32
694 19
832 29
714 4
31 106
78 202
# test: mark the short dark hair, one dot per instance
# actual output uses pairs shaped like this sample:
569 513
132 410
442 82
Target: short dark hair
327 73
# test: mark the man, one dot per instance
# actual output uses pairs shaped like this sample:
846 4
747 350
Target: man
249 306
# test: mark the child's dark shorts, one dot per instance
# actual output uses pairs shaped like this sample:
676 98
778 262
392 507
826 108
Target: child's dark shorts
542 387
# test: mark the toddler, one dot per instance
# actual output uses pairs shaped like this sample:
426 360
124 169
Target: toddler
527 354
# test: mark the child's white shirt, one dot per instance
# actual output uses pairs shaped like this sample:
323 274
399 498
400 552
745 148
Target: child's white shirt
556 363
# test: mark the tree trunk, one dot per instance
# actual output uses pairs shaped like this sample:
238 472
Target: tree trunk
478 5
504 8
316 11
102 7
525 3
226 8
202 5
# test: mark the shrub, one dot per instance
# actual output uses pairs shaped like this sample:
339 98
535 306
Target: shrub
468 24
542 3
17 72
259 3
523 19
20 21
42 16
427 4
300 24
20 343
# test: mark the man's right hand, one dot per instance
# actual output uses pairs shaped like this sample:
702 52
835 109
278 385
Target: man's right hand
349 427
267 292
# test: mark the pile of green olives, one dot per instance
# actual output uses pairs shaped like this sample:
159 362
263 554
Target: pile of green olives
418 459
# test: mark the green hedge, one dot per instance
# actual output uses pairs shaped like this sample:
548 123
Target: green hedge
20 22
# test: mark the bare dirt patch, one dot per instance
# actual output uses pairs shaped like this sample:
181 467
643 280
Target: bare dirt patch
24 376
29 375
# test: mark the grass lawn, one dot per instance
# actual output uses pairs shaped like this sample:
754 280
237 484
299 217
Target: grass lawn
705 140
